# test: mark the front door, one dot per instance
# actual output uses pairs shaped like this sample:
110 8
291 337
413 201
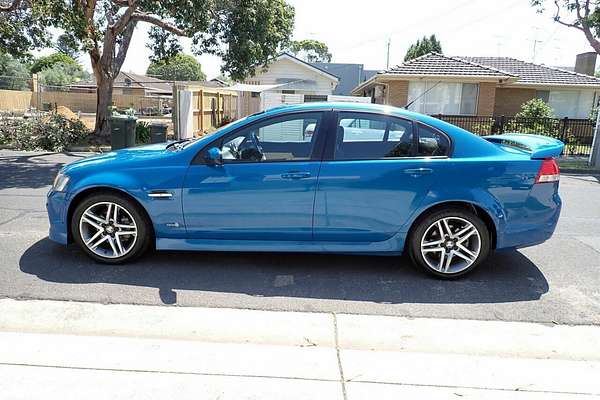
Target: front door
376 173
265 187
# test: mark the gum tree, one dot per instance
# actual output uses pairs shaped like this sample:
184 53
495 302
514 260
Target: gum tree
583 15
243 32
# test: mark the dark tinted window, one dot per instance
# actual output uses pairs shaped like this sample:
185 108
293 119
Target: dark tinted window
287 138
367 137
432 142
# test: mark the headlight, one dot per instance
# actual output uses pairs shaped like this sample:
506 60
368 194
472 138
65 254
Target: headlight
60 182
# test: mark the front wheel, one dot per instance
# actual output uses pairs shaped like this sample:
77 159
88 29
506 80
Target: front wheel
110 228
449 243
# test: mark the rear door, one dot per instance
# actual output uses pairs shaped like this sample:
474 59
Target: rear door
265 188
375 174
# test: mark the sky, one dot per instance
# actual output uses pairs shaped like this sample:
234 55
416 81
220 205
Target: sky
358 32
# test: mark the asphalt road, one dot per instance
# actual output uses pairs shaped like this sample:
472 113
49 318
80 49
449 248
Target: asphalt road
556 282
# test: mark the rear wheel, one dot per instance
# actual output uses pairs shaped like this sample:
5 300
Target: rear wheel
449 243
110 228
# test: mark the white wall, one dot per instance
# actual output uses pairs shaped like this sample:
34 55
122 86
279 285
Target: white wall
285 69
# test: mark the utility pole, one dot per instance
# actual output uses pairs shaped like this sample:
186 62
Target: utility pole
594 159
387 63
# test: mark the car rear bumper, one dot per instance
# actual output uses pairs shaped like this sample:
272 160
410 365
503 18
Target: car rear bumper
56 205
537 220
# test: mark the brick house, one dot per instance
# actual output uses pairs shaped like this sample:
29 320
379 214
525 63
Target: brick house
484 86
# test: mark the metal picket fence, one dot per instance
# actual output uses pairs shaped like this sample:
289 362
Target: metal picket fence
577 134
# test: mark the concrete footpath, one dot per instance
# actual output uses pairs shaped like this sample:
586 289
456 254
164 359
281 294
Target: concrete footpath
70 350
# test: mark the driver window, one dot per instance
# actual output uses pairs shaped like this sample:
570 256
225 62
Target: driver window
287 138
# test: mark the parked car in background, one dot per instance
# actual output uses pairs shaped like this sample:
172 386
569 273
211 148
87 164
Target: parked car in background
368 179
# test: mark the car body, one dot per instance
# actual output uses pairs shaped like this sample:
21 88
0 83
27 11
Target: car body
306 178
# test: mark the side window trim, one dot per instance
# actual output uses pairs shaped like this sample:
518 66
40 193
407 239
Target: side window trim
316 153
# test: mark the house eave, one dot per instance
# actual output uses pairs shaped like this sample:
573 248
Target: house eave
530 85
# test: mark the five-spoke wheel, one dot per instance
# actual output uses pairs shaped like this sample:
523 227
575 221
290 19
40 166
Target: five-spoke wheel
449 243
110 228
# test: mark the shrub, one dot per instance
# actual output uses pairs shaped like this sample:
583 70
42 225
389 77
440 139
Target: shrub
536 116
142 133
535 109
53 132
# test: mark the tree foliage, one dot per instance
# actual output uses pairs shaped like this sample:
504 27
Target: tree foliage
181 67
23 28
164 45
62 74
422 47
47 62
310 50
14 74
243 33
67 45
583 15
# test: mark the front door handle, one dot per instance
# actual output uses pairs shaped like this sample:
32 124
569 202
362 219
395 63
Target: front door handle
295 175
418 171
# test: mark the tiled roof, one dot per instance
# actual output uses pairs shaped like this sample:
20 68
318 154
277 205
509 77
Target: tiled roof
436 64
530 73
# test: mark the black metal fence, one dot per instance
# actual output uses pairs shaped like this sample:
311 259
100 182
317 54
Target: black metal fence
577 134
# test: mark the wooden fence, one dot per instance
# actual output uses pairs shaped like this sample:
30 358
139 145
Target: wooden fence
15 100
210 108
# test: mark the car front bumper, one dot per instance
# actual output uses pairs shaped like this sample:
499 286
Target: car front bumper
57 206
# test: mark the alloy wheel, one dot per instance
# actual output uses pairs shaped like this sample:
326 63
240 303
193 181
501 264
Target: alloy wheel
450 245
108 230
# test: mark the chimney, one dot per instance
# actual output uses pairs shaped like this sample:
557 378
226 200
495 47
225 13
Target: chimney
585 63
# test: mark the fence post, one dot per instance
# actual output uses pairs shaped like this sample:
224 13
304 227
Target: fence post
564 129
595 153
501 125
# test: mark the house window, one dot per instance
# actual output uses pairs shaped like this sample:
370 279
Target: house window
447 98
286 91
568 103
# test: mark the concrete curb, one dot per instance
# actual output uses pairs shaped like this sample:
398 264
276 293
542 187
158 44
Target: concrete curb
575 171
303 329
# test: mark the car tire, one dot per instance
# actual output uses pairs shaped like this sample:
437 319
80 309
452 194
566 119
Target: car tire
449 243
122 240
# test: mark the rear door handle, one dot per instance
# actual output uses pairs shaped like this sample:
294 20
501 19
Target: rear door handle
418 171
295 175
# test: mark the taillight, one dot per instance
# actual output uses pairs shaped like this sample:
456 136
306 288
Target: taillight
548 172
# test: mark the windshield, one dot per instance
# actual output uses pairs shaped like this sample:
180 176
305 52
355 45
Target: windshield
183 143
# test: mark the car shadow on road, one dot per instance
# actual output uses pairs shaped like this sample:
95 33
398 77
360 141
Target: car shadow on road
504 277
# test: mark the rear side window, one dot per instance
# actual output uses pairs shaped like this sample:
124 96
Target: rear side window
432 142
367 137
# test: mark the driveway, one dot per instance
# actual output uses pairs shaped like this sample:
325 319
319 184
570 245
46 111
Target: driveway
556 282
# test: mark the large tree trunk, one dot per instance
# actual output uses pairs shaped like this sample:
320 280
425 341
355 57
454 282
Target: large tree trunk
104 92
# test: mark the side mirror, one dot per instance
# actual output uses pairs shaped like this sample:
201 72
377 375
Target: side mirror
213 156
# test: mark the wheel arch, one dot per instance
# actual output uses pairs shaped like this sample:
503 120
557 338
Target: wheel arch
467 205
80 196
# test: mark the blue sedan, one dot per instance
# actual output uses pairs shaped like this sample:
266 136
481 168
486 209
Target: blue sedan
317 177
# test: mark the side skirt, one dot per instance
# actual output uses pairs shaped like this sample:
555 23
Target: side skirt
392 246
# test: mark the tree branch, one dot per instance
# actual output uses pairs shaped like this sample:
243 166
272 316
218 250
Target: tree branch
121 24
158 22
123 47
11 7
557 18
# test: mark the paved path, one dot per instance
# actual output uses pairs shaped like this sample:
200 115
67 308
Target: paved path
69 350
557 282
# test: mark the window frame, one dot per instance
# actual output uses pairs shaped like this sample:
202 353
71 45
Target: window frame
316 153
329 152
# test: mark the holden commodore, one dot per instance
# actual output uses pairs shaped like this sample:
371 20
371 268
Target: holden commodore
317 177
